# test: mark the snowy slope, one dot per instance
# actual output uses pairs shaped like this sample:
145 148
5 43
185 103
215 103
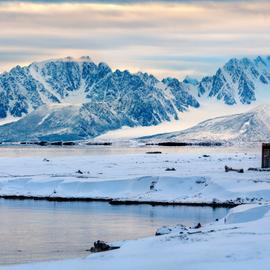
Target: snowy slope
253 126
46 123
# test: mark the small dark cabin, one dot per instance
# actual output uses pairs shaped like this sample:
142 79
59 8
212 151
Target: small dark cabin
266 155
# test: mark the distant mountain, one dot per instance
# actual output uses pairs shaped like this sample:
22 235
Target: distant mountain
104 99
253 126
237 81
140 96
95 99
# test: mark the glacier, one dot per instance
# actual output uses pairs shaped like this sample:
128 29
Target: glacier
251 126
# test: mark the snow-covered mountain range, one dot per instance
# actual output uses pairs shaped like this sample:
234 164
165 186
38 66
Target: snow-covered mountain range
253 126
78 99
238 81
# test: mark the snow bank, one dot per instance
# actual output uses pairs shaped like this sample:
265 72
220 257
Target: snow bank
138 178
247 213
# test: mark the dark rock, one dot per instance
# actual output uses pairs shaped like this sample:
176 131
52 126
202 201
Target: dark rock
56 143
198 226
174 144
170 170
259 169
69 143
152 186
79 171
101 246
99 143
154 152
229 169
42 143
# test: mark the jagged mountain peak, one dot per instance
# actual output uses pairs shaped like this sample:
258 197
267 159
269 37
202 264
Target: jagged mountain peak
237 81
107 99
190 80
121 98
66 59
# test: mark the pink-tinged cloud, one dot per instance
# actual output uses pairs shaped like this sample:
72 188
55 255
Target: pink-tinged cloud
165 38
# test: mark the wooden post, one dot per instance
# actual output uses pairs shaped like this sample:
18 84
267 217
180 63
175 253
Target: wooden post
266 155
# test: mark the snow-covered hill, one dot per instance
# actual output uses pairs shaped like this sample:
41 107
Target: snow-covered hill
104 100
253 126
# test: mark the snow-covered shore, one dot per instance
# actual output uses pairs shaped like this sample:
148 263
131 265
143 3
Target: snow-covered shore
164 178
240 241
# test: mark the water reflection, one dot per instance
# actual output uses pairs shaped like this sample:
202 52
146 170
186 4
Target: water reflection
41 230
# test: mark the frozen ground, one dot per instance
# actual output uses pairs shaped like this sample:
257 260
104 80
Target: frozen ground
138 177
240 241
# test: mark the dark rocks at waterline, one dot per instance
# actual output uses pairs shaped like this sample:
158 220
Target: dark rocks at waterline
153 152
99 143
69 143
186 144
41 143
101 246
174 144
46 143
57 143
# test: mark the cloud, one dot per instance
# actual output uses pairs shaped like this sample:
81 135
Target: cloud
165 37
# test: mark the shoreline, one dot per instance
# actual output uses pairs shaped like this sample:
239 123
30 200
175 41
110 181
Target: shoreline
232 234
121 202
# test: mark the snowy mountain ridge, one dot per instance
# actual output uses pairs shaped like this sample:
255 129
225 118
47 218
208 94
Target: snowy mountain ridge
25 89
108 100
238 81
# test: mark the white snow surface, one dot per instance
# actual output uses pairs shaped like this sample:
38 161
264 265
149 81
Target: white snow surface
239 241
196 179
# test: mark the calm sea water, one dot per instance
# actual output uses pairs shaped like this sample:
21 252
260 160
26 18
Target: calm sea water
82 150
41 230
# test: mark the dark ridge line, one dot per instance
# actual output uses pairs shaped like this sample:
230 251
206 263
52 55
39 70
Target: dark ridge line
157 203
53 199
120 202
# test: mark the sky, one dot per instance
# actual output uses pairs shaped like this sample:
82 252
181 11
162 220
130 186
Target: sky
165 38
